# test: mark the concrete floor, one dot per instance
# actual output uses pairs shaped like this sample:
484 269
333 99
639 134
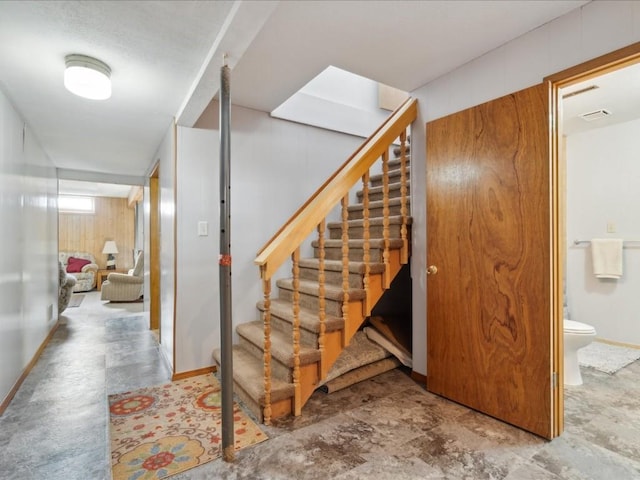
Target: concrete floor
388 427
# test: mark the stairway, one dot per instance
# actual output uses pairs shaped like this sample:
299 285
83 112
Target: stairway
300 348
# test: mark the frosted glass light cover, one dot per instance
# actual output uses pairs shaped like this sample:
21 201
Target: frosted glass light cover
87 77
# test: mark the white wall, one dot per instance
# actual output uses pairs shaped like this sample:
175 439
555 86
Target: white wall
275 166
28 264
603 174
166 157
197 276
592 30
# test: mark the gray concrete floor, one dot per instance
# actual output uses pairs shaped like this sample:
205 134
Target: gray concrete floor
384 428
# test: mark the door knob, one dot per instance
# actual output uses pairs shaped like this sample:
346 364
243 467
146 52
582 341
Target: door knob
432 270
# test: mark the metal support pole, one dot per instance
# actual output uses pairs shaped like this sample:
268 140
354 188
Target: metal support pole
226 333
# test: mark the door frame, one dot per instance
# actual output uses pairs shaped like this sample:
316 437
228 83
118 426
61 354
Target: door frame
154 250
593 68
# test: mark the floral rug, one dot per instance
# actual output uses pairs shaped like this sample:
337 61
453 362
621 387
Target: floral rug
160 431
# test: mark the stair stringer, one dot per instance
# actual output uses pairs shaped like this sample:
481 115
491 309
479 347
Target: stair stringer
335 342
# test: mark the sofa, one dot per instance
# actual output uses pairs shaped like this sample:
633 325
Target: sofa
87 276
66 282
125 287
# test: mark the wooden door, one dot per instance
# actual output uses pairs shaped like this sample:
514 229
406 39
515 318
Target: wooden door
489 311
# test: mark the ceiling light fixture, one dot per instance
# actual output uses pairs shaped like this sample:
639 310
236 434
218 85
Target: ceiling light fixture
87 77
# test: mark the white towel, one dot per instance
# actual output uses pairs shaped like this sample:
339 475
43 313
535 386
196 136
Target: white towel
606 254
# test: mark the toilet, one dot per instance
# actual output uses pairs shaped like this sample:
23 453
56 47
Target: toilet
576 336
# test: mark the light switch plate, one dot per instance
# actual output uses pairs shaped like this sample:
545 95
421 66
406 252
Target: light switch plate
203 228
611 227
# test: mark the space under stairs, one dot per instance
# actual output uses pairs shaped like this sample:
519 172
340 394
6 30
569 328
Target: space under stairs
283 357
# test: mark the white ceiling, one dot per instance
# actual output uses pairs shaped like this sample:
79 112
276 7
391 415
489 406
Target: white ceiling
165 58
618 92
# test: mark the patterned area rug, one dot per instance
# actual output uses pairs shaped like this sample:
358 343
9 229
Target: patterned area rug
160 431
607 358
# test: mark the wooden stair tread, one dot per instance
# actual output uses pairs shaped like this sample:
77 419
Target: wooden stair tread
336 266
248 373
281 344
308 319
332 292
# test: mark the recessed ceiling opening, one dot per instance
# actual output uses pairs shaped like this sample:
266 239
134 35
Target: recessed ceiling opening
341 101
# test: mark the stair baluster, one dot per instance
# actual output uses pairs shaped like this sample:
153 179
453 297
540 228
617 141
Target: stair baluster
385 218
295 258
322 315
302 331
366 257
345 268
403 198
266 317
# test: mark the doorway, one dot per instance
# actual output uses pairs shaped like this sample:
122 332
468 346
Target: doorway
590 70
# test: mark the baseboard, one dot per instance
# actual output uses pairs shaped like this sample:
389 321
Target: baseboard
418 377
617 344
193 373
12 393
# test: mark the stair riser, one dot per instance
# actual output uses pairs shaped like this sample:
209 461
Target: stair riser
375 196
278 370
285 326
357 232
355 254
356 213
310 302
394 177
331 277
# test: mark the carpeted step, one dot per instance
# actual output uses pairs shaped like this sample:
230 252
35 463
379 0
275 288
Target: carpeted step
376 230
395 176
252 340
248 378
309 295
282 319
375 208
333 271
333 249
407 149
376 193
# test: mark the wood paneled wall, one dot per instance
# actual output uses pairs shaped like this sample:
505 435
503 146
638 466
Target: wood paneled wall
112 220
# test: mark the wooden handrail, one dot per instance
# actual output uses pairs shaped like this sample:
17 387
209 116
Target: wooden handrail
316 209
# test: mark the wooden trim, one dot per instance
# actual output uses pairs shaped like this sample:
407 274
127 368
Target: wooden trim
617 344
609 62
318 206
590 69
12 393
193 373
418 377
154 252
135 195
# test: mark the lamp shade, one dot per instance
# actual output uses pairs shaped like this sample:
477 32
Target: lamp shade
110 247
87 77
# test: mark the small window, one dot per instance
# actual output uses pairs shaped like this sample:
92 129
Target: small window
75 204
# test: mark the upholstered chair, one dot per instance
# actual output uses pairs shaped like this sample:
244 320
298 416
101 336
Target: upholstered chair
66 283
125 287
87 275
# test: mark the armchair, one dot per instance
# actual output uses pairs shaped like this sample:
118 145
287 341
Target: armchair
66 283
86 278
125 287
